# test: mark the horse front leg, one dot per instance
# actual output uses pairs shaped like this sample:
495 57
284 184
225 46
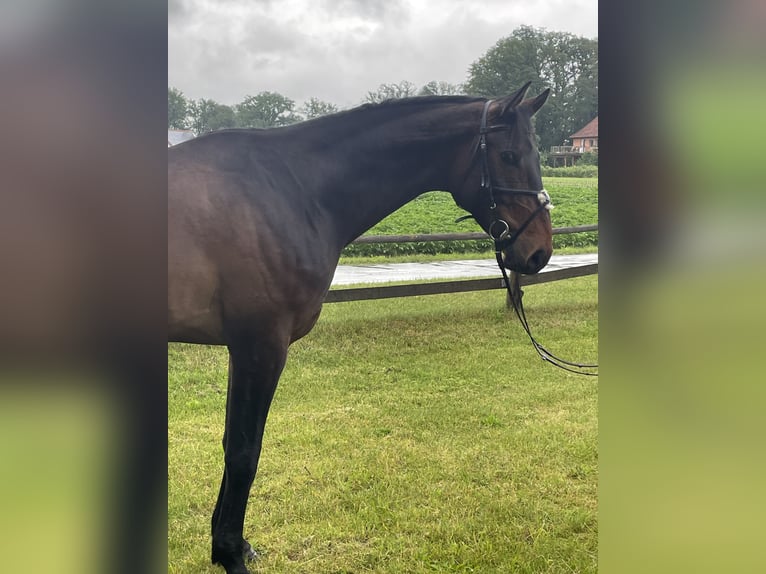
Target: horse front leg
248 552
254 369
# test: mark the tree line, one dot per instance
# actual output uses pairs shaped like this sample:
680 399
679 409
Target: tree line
563 62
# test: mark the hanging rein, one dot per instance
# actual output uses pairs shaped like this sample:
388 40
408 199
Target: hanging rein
500 232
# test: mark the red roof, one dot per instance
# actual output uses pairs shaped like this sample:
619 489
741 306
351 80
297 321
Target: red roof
589 131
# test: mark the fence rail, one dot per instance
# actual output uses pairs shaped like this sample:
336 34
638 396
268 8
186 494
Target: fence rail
455 286
565 149
340 295
469 236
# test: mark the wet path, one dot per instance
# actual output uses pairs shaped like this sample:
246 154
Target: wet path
388 272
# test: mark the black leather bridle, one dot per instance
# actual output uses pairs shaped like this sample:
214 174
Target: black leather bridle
499 229
500 232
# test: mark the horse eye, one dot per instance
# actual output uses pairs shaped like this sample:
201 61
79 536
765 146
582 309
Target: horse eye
509 157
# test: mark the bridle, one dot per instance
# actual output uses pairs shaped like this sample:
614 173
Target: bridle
500 232
502 236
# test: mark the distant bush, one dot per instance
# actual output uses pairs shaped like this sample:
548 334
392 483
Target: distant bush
572 171
427 248
588 158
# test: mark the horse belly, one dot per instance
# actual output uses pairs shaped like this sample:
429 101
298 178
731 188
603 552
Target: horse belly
195 326
194 306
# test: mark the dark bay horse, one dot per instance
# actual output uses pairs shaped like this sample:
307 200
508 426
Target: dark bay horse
257 220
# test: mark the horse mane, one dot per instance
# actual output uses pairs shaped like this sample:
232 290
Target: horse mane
392 107
411 104
399 104
419 101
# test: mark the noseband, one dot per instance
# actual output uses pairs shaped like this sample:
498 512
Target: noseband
500 232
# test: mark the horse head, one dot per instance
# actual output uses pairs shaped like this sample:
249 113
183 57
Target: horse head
501 185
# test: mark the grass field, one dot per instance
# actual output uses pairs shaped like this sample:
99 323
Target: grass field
575 198
407 436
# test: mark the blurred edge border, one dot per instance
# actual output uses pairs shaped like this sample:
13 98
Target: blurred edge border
83 397
681 312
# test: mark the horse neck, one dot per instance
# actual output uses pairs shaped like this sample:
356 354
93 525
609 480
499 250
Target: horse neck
371 166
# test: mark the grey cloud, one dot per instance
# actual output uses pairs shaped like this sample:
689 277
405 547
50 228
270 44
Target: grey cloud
216 55
178 10
261 35
367 9
191 9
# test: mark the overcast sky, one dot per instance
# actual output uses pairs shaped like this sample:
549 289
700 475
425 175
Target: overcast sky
338 50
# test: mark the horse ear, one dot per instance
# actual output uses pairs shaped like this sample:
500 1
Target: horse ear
538 102
512 101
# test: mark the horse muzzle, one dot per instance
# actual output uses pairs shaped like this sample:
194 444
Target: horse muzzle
527 265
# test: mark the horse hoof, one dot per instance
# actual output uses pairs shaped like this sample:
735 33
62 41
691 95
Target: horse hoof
232 564
235 567
249 553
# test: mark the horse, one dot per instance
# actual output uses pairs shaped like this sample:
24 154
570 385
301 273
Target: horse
257 219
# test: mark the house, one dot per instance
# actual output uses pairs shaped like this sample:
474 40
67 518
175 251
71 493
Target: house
586 139
176 137
583 141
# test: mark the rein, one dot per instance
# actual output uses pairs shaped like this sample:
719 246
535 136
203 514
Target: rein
515 294
500 232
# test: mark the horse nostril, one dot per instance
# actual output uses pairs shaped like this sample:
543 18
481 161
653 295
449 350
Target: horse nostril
538 260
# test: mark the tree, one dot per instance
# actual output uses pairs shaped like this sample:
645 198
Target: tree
403 89
315 108
178 110
434 88
565 63
266 110
209 115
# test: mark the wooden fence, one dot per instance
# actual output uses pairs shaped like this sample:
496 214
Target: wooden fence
458 236
340 295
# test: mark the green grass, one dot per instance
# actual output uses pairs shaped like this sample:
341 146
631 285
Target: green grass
407 435
576 201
